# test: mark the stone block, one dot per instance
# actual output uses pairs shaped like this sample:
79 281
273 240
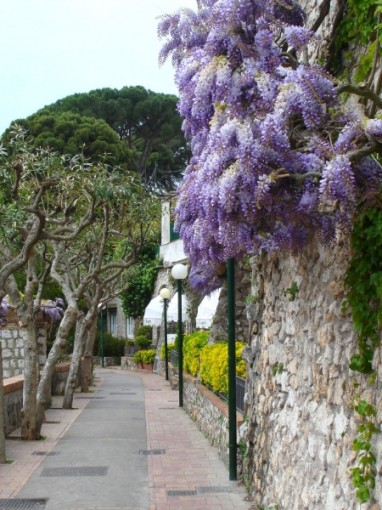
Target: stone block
7 353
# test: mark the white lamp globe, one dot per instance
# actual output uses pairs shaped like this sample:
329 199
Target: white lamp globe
164 293
179 272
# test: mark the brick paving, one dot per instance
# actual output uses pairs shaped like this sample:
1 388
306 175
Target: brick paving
190 462
22 454
184 470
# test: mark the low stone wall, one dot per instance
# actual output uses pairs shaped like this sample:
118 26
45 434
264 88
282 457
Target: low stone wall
60 377
109 361
13 395
127 363
210 414
173 376
13 402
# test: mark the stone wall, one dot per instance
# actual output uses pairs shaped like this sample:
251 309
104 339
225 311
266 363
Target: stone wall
13 403
60 376
301 424
127 363
12 342
108 361
13 395
210 414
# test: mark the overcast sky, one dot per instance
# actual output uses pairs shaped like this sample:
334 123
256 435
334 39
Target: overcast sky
53 48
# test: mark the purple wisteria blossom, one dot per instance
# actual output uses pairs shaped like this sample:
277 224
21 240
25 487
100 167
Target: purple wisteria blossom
273 160
4 306
53 310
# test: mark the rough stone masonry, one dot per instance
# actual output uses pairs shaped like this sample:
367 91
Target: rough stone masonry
300 422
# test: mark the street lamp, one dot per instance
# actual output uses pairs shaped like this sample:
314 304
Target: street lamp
101 309
165 295
179 273
232 423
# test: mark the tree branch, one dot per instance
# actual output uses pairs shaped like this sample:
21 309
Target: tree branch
361 91
296 177
323 12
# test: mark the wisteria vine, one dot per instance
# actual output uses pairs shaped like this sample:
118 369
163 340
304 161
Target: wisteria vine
51 310
276 158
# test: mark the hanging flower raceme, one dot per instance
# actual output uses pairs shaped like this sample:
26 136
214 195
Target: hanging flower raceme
4 307
53 310
274 158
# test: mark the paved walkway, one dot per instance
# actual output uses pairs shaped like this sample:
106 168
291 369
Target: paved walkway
101 456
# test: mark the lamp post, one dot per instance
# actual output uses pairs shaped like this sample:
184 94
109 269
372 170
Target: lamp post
101 308
165 295
232 432
102 342
179 273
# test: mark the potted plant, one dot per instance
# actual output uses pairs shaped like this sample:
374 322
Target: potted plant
137 358
145 358
148 358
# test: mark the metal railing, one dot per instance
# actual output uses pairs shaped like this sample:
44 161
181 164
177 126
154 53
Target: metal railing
174 357
240 384
240 391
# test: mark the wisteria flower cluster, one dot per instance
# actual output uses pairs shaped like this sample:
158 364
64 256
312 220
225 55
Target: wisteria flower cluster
53 310
275 158
4 307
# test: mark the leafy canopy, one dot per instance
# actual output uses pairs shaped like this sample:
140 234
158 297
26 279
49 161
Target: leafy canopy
133 127
141 283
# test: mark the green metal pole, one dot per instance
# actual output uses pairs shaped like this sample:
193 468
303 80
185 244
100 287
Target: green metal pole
232 435
180 344
102 340
165 337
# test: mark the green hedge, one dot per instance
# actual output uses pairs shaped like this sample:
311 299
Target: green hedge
144 336
112 345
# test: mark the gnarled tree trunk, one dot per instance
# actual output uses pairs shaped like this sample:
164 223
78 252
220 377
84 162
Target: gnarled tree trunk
87 365
78 348
3 457
31 374
44 387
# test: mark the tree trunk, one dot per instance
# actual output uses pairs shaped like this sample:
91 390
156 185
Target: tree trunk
31 374
194 300
3 457
44 387
87 365
78 348
25 313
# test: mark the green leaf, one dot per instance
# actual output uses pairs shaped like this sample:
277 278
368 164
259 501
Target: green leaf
361 444
363 494
361 363
365 409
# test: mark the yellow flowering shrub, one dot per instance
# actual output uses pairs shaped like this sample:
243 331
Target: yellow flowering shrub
192 347
214 365
169 348
205 364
